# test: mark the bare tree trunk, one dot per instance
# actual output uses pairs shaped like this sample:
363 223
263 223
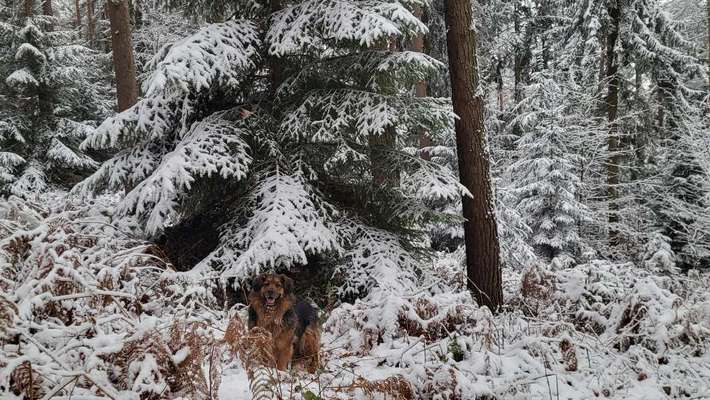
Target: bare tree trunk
77 6
420 88
47 8
48 11
480 229
707 6
90 24
612 104
123 65
29 6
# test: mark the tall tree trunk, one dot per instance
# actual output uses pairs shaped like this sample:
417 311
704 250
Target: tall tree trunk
77 14
707 6
48 11
29 6
123 65
480 229
612 104
420 88
47 8
90 24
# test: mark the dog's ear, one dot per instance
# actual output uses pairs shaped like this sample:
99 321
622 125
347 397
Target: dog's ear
287 283
257 283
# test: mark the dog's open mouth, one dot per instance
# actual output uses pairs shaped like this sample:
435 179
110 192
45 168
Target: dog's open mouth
270 301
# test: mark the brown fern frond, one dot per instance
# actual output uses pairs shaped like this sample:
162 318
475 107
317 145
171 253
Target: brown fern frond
8 311
195 338
569 355
26 381
393 387
254 349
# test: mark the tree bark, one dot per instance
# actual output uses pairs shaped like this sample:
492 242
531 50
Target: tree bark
480 229
48 11
90 24
123 65
29 6
707 6
420 88
612 104
77 16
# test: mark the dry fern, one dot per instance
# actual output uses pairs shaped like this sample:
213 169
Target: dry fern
190 379
569 355
393 387
254 349
24 380
8 311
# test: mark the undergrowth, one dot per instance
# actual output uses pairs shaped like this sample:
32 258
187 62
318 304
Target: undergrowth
89 310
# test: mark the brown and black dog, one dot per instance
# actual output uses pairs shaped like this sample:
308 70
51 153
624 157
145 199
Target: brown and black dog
293 323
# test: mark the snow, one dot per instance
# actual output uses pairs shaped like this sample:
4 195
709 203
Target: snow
235 385
419 333
22 78
27 51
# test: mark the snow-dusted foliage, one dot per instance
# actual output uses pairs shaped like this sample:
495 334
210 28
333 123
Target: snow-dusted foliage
284 227
544 177
318 109
83 302
46 81
287 136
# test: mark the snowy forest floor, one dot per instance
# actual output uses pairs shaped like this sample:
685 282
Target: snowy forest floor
88 311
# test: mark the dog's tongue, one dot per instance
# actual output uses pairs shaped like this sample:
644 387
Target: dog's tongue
270 302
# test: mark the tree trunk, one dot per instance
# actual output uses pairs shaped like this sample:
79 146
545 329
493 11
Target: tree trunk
48 11
77 6
480 229
612 104
90 24
707 6
126 84
29 8
420 88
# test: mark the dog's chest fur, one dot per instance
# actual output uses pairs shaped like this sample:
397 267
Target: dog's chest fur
277 320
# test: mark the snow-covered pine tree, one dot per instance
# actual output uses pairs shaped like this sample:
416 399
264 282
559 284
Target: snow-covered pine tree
544 176
50 94
269 125
646 67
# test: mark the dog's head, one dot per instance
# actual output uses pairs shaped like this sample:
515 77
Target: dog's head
272 288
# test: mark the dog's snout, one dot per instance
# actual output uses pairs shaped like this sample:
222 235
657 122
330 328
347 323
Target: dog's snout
270 294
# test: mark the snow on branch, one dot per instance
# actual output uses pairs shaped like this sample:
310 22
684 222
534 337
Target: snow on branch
376 259
285 225
376 69
63 155
215 55
212 146
328 115
310 23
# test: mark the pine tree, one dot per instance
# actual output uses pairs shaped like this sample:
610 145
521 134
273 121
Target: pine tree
263 126
43 117
546 183
647 68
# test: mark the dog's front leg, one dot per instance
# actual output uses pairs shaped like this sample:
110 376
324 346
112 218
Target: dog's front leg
283 349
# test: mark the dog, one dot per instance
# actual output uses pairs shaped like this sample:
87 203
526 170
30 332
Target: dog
293 323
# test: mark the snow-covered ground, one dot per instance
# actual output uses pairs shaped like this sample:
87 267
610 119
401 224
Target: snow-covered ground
89 312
